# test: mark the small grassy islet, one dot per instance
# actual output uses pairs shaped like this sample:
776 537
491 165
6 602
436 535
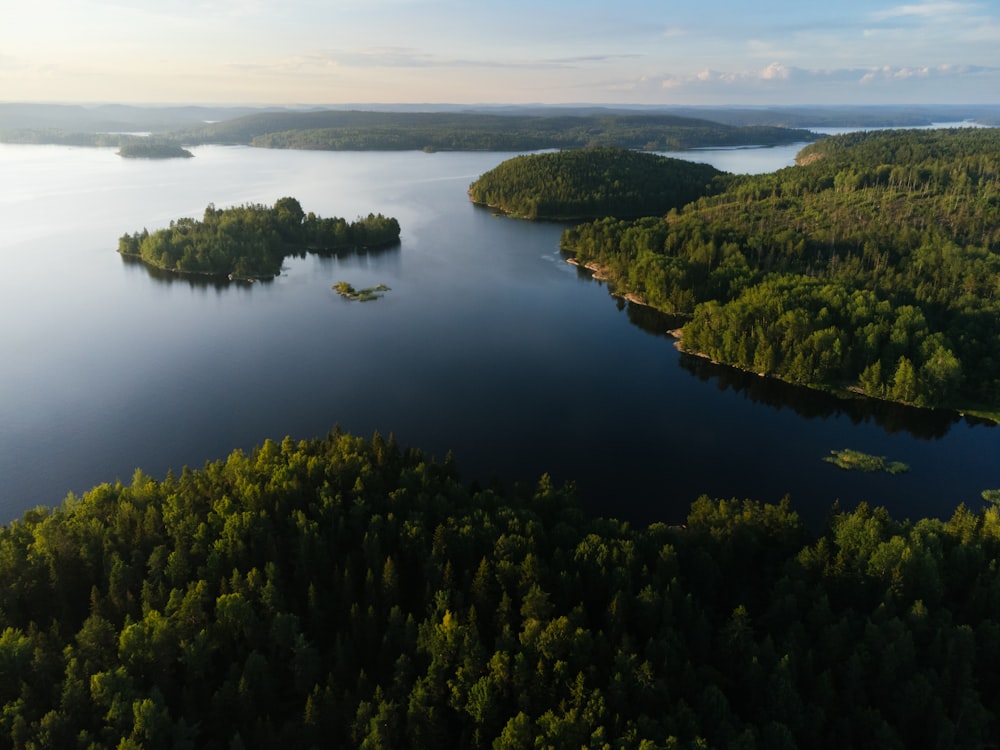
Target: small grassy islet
857 461
347 291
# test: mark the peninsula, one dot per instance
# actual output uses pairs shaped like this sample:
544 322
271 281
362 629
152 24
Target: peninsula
869 268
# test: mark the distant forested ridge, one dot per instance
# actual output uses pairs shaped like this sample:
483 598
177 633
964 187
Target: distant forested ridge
60 137
130 144
251 241
464 131
587 183
343 592
353 130
118 118
874 265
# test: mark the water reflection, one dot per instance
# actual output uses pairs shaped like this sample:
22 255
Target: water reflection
927 424
220 282
650 320
486 349
195 281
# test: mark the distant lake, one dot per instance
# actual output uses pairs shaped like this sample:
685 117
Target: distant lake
488 345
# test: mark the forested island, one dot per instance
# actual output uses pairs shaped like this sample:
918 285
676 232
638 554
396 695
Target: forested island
251 241
593 182
870 267
153 150
342 592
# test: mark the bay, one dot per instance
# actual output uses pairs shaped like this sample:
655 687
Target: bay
488 345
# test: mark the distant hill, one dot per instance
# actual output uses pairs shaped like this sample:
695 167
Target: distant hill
870 116
125 117
475 131
112 118
434 127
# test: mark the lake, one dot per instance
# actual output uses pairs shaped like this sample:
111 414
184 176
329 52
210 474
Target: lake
488 345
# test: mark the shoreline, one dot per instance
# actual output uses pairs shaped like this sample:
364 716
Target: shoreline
599 273
217 275
251 278
847 392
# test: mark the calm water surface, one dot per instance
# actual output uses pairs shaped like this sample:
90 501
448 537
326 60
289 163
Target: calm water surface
488 344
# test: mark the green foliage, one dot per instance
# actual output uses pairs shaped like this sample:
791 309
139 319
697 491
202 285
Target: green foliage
593 182
153 149
468 131
872 266
347 593
251 241
853 460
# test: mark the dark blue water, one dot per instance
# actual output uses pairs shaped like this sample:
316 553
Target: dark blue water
488 345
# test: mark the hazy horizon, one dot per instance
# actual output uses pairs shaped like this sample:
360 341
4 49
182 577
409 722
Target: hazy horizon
444 105
421 52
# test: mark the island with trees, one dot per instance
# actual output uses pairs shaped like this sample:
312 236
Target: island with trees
153 149
251 241
594 182
341 592
871 267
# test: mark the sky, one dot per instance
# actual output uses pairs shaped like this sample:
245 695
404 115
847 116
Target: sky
650 52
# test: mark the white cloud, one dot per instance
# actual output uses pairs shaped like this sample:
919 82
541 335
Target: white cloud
445 49
776 71
924 10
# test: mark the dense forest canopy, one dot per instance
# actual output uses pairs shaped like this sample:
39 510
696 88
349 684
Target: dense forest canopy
588 183
251 241
874 265
342 592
